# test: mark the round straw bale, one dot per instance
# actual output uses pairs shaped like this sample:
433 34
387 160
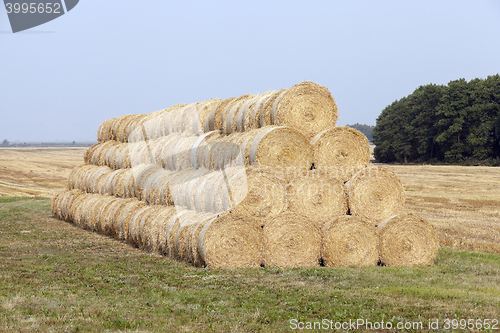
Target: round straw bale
206 116
122 220
230 241
74 176
348 241
141 178
307 107
66 203
342 150
229 120
74 206
125 127
265 196
122 159
150 231
54 202
107 158
181 237
109 213
133 232
280 147
317 195
142 235
243 111
104 131
219 114
164 228
252 117
195 234
407 240
375 194
291 241
80 215
98 210
182 218
103 150
89 152
165 120
200 150
267 114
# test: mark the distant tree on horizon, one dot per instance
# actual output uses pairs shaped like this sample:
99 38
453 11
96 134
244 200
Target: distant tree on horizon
5 143
367 130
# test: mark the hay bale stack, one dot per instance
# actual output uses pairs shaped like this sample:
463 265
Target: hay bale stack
349 241
316 194
231 240
307 107
407 240
343 151
291 241
375 194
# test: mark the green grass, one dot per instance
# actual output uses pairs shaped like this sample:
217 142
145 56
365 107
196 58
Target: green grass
56 277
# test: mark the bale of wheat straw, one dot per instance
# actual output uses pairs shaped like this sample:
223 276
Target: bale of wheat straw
232 240
349 241
307 107
342 150
262 196
317 194
407 240
375 193
150 227
291 241
182 246
275 146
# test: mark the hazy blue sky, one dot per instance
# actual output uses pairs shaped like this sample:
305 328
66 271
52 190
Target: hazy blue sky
105 59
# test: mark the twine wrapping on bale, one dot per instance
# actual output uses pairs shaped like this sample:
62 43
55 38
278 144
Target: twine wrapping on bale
182 249
150 230
230 241
343 151
291 241
316 194
407 240
306 107
348 241
375 194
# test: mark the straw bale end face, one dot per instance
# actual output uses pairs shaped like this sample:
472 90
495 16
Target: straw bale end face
291 241
375 194
232 240
341 149
281 147
349 241
308 107
316 193
407 240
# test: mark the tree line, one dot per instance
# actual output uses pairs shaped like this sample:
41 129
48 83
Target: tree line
456 123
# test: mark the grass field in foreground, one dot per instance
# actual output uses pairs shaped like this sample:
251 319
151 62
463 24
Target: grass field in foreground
56 277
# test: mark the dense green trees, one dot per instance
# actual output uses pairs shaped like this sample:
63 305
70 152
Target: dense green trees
453 123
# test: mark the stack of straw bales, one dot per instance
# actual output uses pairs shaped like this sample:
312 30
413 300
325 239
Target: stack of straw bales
255 180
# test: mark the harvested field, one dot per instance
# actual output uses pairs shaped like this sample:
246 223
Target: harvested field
36 171
461 202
